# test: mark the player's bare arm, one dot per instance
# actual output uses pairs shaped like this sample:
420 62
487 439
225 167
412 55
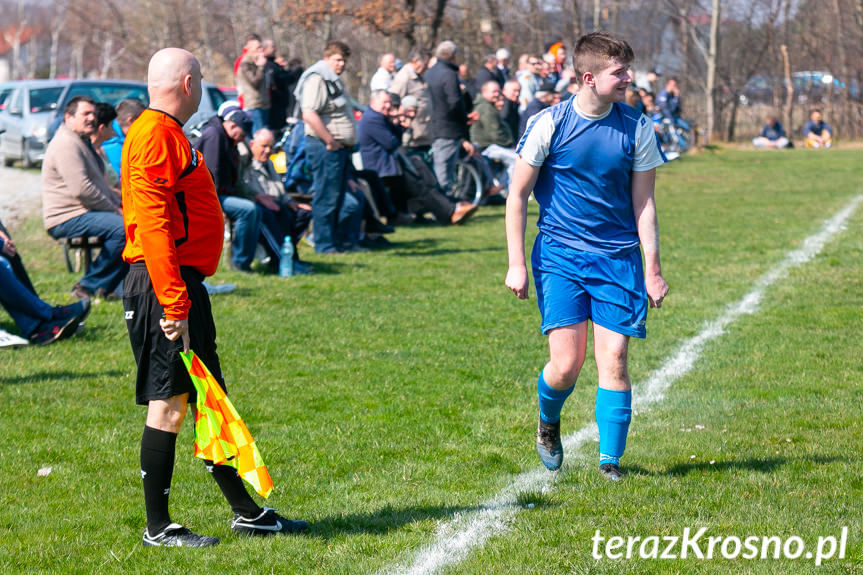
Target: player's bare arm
644 206
523 179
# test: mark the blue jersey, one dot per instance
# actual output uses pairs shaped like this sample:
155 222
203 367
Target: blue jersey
584 188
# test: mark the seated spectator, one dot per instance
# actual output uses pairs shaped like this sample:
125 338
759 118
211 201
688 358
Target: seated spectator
490 135
817 132
77 200
633 98
128 111
218 145
385 74
281 216
509 108
557 62
543 98
105 116
380 142
39 322
772 135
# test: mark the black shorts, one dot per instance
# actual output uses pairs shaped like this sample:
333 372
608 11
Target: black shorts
161 372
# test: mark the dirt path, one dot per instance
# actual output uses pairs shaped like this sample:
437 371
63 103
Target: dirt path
20 195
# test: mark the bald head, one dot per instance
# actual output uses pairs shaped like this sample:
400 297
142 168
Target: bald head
174 82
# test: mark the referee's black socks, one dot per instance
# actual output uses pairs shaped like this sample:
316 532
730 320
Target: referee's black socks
157 469
234 490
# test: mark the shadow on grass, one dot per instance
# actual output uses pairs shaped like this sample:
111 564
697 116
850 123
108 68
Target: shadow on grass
767 465
60 376
382 521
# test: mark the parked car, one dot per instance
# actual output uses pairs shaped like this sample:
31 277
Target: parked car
113 91
5 90
27 111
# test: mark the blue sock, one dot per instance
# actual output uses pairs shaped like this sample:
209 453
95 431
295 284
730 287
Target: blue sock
550 400
613 414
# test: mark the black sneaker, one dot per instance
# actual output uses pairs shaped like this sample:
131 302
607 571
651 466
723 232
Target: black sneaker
56 329
611 471
267 523
175 535
548 444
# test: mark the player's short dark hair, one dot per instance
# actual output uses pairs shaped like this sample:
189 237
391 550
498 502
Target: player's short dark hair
337 47
594 51
71 107
252 36
105 113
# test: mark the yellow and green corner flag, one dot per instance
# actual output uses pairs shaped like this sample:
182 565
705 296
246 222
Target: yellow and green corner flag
220 434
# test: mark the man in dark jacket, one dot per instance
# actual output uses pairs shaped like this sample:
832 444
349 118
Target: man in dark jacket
487 73
218 144
509 112
449 116
543 97
380 140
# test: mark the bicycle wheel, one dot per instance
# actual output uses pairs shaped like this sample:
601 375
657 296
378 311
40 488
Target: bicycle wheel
468 182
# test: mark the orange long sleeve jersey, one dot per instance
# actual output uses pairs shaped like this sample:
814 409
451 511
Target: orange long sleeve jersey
171 212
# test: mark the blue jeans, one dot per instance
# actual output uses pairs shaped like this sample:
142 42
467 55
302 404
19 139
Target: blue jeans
329 174
260 119
109 269
247 225
445 156
351 219
23 305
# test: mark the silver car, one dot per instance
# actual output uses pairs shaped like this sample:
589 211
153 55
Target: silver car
27 111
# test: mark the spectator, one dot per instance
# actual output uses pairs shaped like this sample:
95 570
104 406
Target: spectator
509 109
105 116
330 135
449 115
281 83
487 73
502 56
128 111
218 145
410 82
490 134
250 40
384 75
380 140
529 78
39 322
543 98
558 61
253 83
817 132
77 200
633 98
281 216
668 100
294 69
772 135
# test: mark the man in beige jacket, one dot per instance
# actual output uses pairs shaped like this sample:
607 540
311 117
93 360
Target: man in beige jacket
77 200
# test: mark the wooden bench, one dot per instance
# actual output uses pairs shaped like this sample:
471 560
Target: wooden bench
81 248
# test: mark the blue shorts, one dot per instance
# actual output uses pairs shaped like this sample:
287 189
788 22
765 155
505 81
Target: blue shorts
573 286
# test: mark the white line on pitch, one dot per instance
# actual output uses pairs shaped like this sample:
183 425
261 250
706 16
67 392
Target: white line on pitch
467 531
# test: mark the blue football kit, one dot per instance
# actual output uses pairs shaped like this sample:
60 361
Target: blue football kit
586 259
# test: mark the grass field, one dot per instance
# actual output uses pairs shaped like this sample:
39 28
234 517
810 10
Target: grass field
392 391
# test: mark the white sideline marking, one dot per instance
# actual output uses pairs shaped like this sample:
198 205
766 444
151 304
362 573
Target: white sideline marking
456 538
